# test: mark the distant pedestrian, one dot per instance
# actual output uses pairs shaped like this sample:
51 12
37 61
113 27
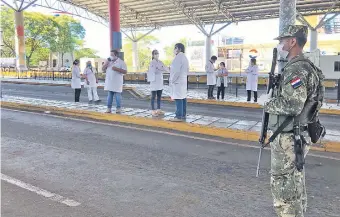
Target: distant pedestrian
115 68
252 76
91 82
211 76
76 80
222 80
179 70
155 77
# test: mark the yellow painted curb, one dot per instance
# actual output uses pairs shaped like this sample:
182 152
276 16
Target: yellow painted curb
328 146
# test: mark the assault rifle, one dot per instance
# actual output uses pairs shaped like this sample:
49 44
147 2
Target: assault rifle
265 116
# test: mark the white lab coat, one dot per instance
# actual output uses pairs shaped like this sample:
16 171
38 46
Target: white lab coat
155 75
179 70
252 76
76 78
211 74
225 78
90 73
113 79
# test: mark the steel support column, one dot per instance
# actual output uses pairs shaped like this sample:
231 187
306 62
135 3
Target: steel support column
313 40
135 61
287 16
20 40
207 48
114 25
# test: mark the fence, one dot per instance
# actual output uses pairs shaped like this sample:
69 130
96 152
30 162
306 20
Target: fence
196 80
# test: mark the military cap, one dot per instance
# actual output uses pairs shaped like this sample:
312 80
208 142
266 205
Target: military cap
300 31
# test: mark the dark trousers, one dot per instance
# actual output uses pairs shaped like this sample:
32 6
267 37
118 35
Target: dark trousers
211 91
77 94
181 108
249 95
153 97
220 90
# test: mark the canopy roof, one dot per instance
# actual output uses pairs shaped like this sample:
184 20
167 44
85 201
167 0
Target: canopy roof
160 13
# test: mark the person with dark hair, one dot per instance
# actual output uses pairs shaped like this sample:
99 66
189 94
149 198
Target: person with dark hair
179 70
222 80
76 80
211 76
115 69
155 77
252 77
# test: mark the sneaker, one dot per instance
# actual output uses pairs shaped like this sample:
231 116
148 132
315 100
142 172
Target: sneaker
118 111
154 113
160 112
176 120
108 110
90 101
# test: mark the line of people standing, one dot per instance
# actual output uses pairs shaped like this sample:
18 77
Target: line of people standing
115 68
219 78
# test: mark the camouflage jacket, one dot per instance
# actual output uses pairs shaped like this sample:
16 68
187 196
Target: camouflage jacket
299 81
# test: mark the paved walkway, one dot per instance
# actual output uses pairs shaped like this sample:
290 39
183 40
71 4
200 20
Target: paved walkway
144 89
254 126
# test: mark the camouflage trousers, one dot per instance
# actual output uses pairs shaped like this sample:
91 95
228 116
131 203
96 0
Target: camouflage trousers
287 183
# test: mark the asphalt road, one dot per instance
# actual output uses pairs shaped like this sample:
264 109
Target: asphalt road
124 171
67 94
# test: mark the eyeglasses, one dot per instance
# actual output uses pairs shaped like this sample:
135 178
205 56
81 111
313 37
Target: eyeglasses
156 53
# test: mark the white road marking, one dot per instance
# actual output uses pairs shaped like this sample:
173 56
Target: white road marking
162 131
39 191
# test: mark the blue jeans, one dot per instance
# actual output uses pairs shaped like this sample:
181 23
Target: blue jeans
181 108
110 99
153 96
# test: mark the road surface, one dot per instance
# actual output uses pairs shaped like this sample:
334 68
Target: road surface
67 94
66 167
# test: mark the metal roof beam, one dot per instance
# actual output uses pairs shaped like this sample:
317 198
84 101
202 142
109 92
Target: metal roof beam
222 9
139 16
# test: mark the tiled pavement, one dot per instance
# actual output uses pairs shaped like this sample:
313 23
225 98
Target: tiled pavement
332 135
145 90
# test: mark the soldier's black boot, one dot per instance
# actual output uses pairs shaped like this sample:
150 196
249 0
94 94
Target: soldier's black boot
248 95
255 96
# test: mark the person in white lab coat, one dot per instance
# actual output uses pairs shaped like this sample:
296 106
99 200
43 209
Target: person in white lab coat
91 82
179 70
155 77
115 69
76 80
211 76
222 80
252 76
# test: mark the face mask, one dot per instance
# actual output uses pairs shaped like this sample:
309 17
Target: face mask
89 65
283 53
176 51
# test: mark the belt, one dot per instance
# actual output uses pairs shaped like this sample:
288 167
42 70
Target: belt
302 129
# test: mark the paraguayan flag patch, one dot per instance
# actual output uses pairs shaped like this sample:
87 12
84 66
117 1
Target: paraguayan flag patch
296 82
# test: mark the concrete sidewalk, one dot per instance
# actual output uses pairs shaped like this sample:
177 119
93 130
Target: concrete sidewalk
206 125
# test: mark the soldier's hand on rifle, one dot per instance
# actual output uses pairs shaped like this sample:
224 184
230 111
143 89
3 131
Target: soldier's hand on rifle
265 98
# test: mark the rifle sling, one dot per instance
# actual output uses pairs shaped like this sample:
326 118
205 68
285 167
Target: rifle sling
280 129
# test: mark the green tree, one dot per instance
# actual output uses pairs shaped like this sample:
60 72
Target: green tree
7 32
39 31
68 33
144 51
41 54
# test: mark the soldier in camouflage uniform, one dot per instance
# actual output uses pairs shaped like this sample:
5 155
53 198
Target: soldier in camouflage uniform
298 83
